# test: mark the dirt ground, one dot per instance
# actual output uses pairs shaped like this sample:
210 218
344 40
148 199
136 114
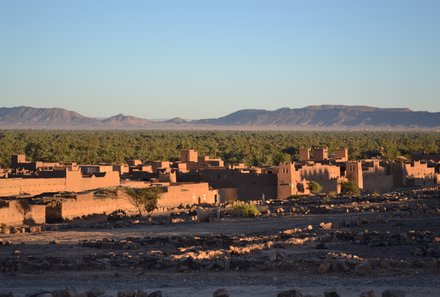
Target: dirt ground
398 238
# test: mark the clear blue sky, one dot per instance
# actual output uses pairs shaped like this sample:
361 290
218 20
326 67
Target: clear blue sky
195 59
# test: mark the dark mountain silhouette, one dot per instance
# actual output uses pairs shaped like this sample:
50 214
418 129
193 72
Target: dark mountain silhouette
30 117
121 120
177 120
330 116
321 117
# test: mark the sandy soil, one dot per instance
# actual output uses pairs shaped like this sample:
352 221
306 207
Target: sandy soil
415 281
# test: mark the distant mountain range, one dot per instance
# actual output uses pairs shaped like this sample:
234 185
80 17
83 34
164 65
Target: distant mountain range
320 117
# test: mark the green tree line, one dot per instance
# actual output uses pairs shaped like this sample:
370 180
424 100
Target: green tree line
252 148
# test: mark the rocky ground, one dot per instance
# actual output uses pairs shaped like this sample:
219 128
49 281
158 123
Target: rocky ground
350 244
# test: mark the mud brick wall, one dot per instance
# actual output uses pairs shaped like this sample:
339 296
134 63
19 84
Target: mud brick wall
13 214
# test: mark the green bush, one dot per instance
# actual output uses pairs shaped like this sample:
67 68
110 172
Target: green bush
332 194
327 200
349 188
263 209
295 197
4 228
314 187
246 210
144 198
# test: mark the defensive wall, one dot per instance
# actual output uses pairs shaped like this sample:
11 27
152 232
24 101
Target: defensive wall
83 204
73 181
19 212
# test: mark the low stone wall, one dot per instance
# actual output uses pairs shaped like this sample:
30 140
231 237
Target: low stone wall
32 186
86 204
183 193
187 194
377 183
227 194
14 214
74 181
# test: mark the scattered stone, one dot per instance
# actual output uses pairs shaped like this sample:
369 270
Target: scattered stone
331 293
324 267
5 230
68 292
227 264
272 256
321 246
325 226
292 231
6 294
290 293
221 293
177 220
203 215
126 293
393 293
340 265
370 293
403 264
156 294
40 293
35 229
363 268
279 210
95 292
140 293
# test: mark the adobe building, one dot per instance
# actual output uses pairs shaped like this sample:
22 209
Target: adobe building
67 178
376 176
18 163
353 172
189 155
320 154
304 154
380 176
206 161
198 179
160 174
341 155
190 160
328 176
92 169
160 165
134 162
290 182
421 156
249 184
121 168
176 194
414 173
237 166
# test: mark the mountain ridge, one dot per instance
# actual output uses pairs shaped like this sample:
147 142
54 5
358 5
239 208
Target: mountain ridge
312 117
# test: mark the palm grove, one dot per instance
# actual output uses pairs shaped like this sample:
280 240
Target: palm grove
252 148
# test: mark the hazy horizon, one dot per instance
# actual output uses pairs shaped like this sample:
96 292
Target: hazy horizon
198 59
